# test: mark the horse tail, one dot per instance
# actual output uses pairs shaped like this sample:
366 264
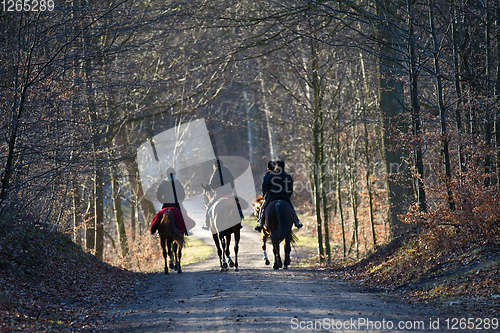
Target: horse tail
169 220
285 222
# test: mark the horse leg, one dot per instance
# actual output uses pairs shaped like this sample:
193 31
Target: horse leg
228 254
176 258
219 250
277 259
179 255
162 243
264 240
236 248
170 254
288 249
223 245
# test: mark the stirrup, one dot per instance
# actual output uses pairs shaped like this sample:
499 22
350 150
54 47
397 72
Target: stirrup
258 228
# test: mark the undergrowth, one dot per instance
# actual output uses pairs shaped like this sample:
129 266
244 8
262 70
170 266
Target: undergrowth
457 276
48 284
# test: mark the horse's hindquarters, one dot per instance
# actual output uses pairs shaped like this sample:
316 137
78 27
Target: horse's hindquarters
279 223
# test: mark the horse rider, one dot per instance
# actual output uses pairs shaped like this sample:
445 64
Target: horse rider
222 176
171 194
278 185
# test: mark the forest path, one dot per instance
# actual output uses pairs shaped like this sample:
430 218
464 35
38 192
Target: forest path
258 298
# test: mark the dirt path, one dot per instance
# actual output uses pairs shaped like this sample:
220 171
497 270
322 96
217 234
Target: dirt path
258 298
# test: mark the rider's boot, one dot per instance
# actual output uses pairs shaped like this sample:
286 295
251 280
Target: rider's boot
205 225
297 223
259 226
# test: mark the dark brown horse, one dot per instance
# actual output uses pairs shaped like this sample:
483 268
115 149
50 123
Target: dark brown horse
171 241
223 208
279 216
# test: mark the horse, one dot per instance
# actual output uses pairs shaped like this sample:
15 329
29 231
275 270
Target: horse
222 239
171 241
257 205
279 220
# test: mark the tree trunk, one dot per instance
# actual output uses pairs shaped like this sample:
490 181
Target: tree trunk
77 214
353 190
133 223
488 122
368 161
497 92
17 113
248 109
117 208
441 106
91 227
90 223
317 146
390 101
456 61
415 107
324 197
267 112
99 211
339 196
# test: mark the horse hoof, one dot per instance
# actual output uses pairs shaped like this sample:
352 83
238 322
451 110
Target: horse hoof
179 271
285 267
224 266
231 264
236 269
166 272
171 266
267 262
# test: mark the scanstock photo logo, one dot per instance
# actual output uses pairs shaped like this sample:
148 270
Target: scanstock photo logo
187 149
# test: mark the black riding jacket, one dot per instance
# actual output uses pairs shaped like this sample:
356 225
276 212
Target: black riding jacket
279 186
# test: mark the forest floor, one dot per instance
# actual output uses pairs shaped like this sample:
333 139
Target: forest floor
47 284
460 278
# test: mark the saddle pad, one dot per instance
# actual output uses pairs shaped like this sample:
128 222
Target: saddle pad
179 220
222 214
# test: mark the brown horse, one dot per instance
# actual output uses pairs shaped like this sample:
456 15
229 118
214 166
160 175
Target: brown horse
257 204
265 232
223 208
171 241
279 216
